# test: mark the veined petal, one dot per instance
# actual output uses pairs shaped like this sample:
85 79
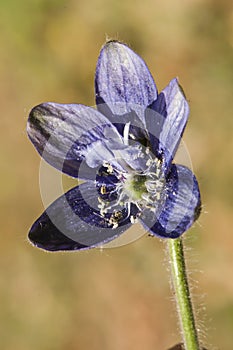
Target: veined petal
167 124
74 221
181 208
123 81
62 134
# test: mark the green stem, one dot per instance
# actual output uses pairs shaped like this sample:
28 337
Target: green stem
182 294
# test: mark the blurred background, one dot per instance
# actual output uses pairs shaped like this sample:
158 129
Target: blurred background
116 298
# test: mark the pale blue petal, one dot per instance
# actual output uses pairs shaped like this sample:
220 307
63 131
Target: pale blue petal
167 124
62 134
123 81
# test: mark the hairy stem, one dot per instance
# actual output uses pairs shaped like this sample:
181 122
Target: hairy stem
182 294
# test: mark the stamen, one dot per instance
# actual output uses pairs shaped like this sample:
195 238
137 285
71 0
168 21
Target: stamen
126 133
133 219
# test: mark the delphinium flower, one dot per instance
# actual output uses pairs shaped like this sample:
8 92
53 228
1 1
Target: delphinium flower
123 150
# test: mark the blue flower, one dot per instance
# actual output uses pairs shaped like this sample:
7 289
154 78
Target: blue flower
124 152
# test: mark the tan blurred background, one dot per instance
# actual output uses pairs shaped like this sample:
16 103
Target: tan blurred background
117 298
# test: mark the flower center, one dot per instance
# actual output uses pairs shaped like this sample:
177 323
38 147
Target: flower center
143 188
134 187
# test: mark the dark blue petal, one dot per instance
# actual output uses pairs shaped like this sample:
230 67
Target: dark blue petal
63 134
154 125
167 124
123 81
181 208
74 221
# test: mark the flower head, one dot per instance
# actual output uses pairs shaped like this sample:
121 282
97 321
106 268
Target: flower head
124 151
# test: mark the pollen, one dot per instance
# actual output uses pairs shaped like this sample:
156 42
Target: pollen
108 166
103 189
115 218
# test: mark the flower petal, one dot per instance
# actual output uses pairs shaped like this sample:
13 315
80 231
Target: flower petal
167 124
123 81
181 208
74 221
62 134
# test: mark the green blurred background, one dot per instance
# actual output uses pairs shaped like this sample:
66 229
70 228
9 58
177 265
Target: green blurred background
116 298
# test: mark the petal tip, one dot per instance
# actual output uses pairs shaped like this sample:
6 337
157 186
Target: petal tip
114 42
175 84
